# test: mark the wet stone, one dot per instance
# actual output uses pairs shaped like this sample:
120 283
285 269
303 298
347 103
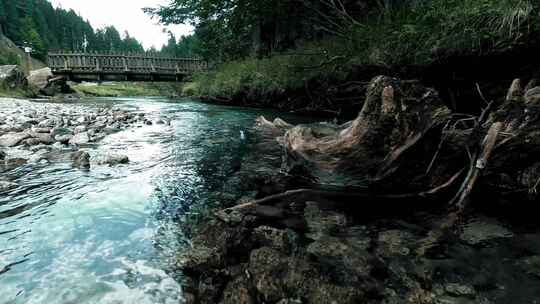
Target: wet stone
323 222
113 159
81 159
531 265
6 185
63 139
80 139
13 139
394 243
459 290
274 238
267 265
239 292
480 231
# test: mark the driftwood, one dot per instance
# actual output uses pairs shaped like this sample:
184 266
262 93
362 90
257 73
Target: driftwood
405 140
368 148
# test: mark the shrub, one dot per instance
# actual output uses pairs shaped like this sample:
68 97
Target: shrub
410 33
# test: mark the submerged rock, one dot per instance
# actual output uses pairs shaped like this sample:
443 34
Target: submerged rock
459 290
81 159
13 139
6 185
40 78
483 230
80 139
113 159
531 265
63 139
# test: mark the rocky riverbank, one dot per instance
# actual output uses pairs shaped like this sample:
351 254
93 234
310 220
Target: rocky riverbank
340 251
281 244
36 132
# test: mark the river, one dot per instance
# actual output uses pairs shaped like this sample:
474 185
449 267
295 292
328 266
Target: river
111 234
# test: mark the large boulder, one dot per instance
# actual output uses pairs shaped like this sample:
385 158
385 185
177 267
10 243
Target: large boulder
47 83
40 78
81 160
113 159
13 139
12 77
80 139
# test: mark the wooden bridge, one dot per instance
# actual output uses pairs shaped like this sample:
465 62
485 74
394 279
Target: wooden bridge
79 66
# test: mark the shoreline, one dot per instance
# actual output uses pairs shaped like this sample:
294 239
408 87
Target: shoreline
278 244
44 133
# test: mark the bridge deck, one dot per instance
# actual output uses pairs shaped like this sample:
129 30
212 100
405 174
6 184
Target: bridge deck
100 66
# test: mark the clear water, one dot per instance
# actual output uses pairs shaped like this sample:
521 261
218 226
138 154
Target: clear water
110 235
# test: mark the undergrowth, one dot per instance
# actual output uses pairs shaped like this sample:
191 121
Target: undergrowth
417 33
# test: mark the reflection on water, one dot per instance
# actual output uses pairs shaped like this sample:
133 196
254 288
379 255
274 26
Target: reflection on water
108 235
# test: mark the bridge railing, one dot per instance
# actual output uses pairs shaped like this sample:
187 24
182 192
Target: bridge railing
79 62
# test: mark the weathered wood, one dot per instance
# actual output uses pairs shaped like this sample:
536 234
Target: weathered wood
149 66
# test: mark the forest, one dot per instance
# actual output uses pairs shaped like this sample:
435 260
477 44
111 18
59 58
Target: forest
270 51
38 24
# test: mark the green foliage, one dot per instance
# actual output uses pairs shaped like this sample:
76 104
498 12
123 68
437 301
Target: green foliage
37 23
273 74
407 33
423 32
191 89
234 29
185 47
9 58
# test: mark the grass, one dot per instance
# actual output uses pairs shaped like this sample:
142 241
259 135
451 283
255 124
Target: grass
125 89
9 57
17 92
417 33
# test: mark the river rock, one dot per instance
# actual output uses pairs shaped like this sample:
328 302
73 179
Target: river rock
61 131
394 243
480 231
459 290
6 185
40 78
349 262
40 147
239 292
15 162
113 159
267 266
79 129
275 238
13 139
81 120
41 138
80 139
11 77
41 130
63 139
47 123
531 265
81 159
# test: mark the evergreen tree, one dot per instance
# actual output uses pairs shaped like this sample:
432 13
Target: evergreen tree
45 28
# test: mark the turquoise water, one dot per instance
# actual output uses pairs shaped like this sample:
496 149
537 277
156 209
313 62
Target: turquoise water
110 235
